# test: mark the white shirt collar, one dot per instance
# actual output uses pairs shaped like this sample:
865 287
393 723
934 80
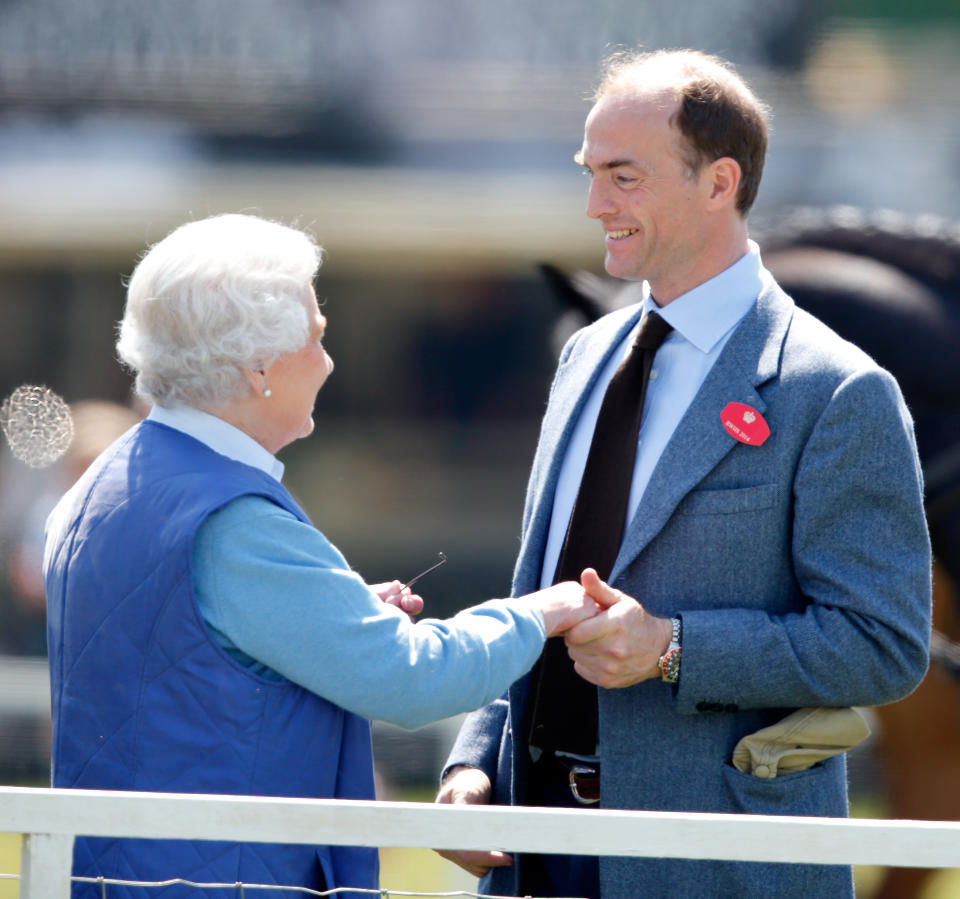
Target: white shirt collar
221 436
703 315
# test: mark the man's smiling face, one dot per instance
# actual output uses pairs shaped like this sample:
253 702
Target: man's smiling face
642 190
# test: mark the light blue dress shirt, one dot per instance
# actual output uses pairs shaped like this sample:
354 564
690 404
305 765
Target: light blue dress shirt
282 601
703 320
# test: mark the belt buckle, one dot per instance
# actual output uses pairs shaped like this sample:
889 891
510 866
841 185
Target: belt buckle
575 772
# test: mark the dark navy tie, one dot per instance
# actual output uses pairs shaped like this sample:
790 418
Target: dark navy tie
564 705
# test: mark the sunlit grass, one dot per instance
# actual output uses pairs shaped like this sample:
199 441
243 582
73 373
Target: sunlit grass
867 878
9 864
421 870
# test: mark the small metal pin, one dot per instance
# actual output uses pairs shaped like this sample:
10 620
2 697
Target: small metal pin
433 567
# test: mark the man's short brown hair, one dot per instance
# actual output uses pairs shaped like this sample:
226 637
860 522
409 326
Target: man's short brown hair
718 114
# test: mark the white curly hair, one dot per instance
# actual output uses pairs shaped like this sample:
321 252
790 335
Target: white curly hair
213 298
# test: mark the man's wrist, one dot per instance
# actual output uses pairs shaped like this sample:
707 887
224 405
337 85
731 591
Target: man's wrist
454 770
464 784
669 663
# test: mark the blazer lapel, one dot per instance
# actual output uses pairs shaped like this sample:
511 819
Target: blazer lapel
575 381
751 357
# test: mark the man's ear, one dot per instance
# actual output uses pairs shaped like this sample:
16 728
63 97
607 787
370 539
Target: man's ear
723 181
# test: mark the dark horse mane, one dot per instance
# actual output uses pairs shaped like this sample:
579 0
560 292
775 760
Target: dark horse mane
925 247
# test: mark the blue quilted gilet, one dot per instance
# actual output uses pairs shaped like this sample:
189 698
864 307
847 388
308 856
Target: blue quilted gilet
144 698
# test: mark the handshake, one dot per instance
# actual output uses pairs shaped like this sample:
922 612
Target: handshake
568 603
612 639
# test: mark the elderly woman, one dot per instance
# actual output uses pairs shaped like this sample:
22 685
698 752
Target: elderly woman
204 636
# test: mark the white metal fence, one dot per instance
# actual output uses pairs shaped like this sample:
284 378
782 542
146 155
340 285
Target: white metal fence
50 819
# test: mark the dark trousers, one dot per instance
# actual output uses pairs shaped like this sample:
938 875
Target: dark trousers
556 875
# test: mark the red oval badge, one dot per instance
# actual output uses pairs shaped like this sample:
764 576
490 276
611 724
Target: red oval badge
744 423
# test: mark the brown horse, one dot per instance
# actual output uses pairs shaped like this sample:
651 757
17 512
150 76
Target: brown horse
890 284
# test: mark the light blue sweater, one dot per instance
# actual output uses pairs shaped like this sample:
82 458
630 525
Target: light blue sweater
283 601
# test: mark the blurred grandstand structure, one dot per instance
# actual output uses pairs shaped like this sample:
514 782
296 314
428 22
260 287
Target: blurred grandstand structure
411 131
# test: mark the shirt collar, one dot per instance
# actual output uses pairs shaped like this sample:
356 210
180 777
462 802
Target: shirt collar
706 313
221 436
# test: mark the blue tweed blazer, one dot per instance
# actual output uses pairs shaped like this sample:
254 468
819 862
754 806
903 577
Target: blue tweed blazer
800 569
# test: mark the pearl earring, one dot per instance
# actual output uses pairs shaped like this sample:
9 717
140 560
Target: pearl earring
267 393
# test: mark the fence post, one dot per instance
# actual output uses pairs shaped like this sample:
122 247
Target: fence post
46 862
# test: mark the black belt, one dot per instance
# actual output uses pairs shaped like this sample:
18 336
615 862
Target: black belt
583 778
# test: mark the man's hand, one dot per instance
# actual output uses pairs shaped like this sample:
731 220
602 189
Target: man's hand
620 646
470 786
564 605
395 594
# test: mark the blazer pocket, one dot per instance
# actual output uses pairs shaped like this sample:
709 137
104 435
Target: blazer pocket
815 791
800 740
729 502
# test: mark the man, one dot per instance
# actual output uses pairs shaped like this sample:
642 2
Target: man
772 555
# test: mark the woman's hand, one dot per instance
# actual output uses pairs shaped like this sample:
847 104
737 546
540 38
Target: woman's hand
567 604
395 594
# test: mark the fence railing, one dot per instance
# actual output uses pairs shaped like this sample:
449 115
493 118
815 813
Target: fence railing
51 818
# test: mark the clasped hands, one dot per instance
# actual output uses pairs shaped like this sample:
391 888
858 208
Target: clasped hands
610 637
613 642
